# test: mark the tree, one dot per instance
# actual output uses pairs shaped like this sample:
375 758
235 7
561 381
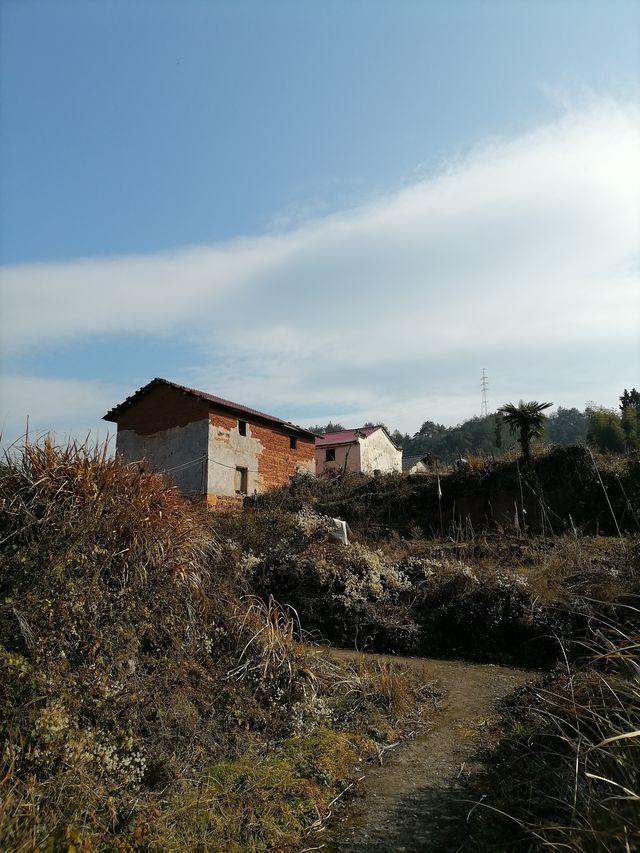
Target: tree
498 429
330 427
605 431
399 439
630 398
526 419
566 426
630 418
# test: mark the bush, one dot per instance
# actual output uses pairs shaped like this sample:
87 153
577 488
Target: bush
133 662
567 776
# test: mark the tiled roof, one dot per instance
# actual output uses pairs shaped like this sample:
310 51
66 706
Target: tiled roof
345 436
113 414
410 461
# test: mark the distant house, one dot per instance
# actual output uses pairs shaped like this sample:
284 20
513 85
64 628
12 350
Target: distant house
418 464
366 450
207 445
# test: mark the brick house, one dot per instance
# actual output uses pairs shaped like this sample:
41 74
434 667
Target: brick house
207 445
366 450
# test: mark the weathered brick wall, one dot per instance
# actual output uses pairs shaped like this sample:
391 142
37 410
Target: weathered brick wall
225 503
162 408
278 461
265 451
224 421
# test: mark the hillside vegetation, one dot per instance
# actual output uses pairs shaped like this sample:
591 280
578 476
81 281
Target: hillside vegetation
566 772
147 701
154 694
605 430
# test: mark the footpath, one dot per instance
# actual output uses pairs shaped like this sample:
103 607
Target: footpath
415 800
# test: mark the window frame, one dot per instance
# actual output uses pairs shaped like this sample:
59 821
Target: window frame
242 427
244 480
293 442
330 454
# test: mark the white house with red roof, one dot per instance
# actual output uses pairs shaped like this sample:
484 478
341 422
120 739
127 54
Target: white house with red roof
366 450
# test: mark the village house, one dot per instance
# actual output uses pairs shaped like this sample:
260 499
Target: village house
210 446
419 464
367 450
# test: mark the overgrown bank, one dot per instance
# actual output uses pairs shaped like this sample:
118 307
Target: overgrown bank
154 696
566 490
496 599
566 775
145 701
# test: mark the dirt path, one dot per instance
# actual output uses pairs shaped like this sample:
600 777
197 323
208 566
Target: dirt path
414 802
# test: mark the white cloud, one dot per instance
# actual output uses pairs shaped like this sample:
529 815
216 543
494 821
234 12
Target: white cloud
526 245
59 405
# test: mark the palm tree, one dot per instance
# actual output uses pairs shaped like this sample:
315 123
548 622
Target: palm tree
528 420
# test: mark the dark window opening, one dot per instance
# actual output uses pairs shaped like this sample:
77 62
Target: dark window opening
242 476
242 427
331 454
293 442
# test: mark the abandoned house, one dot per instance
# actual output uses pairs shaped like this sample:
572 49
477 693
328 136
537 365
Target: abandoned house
207 445
365 450
419 464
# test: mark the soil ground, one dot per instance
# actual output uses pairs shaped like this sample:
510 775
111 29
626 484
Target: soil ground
415 800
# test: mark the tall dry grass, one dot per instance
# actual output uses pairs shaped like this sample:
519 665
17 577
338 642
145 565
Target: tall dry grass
568 772
133 664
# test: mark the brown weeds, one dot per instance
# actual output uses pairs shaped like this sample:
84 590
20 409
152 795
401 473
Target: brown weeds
133 664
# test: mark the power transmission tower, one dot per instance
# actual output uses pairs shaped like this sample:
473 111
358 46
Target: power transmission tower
484 385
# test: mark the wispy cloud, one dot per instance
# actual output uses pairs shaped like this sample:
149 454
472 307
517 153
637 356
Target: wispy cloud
525 246
34 405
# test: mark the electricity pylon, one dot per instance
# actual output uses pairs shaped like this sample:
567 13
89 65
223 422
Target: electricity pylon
484 385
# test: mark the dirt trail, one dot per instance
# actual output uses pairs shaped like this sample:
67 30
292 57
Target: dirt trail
414 802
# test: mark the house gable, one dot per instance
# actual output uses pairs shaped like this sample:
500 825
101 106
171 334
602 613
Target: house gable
161 407
379 453
365 449
209 445
234 409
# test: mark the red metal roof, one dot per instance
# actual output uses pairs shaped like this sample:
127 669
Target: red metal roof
113 414
345 436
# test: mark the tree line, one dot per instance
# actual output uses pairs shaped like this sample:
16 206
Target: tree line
606 430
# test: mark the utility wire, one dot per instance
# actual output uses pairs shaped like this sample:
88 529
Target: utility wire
198 460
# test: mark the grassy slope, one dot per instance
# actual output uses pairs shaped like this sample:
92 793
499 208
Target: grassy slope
567 771
145 701
149 701
566 775
494 599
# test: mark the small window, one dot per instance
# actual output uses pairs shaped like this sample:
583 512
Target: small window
241 480
242 427
331 454
293 442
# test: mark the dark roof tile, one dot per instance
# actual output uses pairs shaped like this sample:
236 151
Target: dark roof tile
113 414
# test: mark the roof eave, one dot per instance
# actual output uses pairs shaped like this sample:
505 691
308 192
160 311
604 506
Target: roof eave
113 414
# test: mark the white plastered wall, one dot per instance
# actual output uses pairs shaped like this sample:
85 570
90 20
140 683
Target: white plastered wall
229 450
180 452
378 453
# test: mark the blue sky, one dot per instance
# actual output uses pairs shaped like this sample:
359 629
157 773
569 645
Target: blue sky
322 209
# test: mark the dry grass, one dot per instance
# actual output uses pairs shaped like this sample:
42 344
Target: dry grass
146 700
568 774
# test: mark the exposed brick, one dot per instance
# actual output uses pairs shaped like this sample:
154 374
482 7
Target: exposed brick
220 420
224 503
162 408
278 461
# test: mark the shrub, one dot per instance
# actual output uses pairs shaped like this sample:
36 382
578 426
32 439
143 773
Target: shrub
567 776
144 694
